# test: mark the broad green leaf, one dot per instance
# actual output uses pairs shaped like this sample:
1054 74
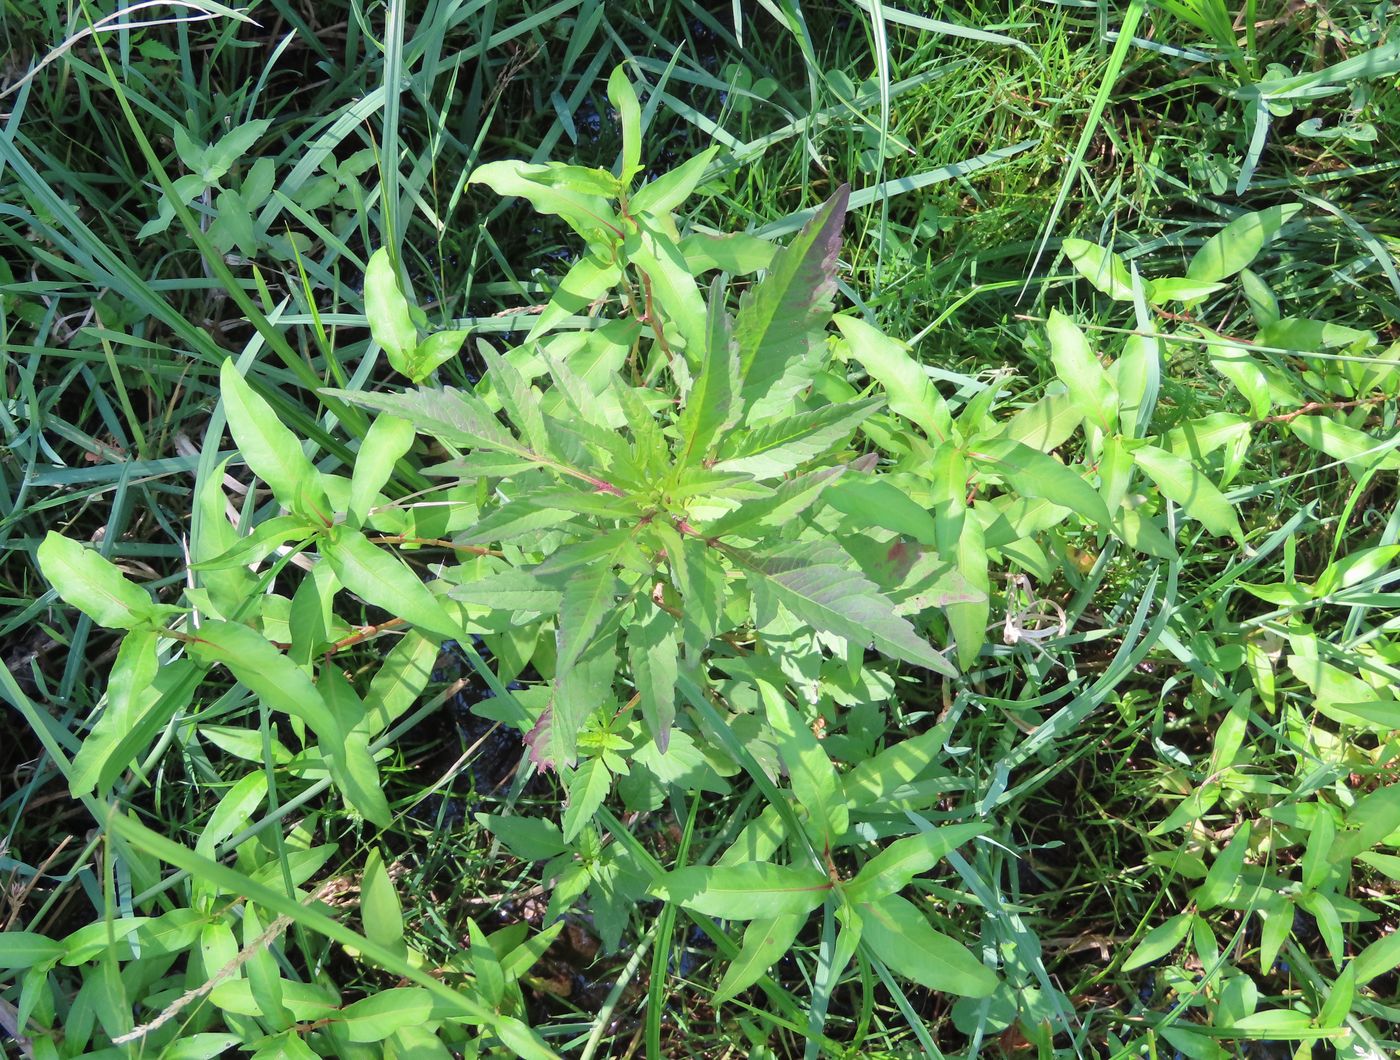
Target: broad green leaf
781 319
486 965
778 507
588 600
313 622
268 674
92 584
738 253
262 973
909 391
357 778
1338 695
654 654
819 584
374 1018
1262 301
512 520
1274 1023
270 450
875 780
1377 958
1089 386
587 214
890 870
529 838
697 573
900 935
457 417
435 350
581 689
674 294
624 97
509 590
24 949
1101 267
777 448
1341 442
1373 818
752 891
1048 423
1188 487
235 809
660 197
1178 289
215 535
875 502
381 913
1236 245
815 783
1034 474
765 941
118 739
1236 365
387 439
1160 941
219 158
266 538
959 535
379 578
1298 333
386 308
587 280
1224 871
588 786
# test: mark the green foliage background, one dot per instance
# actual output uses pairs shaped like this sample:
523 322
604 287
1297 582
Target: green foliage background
1156 811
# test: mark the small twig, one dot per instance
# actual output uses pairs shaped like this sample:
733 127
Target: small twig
1322 406
404 539
242 957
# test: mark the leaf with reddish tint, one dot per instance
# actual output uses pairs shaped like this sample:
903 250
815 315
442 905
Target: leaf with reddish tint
781 320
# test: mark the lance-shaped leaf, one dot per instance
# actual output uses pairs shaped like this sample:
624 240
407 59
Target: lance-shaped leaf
386 308
888 871
94 586
749 891
509 590
270 675
1183 483
654 653
910 391
781 319
588 599
820 584
777 448
672 289
712 406
549 189
383 580
764 942
1075 364
270 449
1032 473
896 931
785 502
460 418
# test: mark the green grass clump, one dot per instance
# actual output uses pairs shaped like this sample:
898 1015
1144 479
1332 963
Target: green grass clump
1182 754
